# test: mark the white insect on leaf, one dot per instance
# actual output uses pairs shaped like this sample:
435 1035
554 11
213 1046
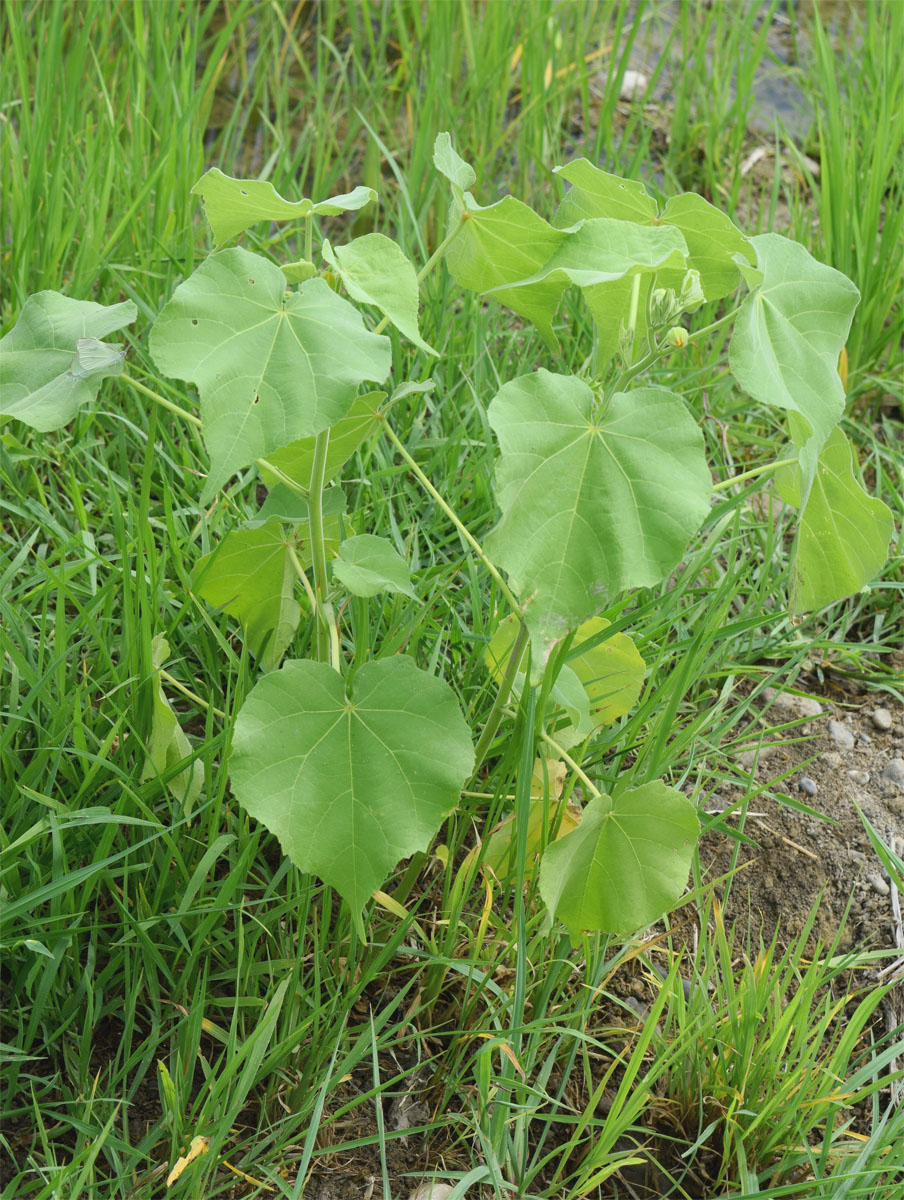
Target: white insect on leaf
94 357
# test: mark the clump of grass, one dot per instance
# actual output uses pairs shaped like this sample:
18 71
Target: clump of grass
772 1063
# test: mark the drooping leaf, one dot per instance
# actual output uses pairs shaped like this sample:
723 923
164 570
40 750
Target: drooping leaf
270 366
612 671
297 459
368 564
712 239
787 339
43 380
843 532
451 164
231 205
502 244
592 503
168 744
351 779
376 270
250 575
625 865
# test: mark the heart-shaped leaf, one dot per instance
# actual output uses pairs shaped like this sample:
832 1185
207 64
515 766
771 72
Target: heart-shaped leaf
625 865
592 502
787 339
368 564
45 377
502 244
251 576
375 270
270 366
351 779
843 533
231 205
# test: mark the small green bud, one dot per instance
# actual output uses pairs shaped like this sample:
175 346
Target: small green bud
676 337
663 306
691 292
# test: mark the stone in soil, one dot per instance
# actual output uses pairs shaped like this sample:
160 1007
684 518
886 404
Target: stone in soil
841 735
893 772
881 719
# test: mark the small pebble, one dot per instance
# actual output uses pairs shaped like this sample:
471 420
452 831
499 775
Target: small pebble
881 719
893 772
834 760
865 737
808 785
859 777
841 735
878 884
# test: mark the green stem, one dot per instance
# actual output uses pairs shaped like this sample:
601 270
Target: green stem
180 687
452 515
158 399
494 720
753 472
303 576
286 480
566 758
318 546
707 329
309 237
632 311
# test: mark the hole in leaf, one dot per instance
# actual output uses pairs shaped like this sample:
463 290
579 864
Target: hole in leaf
194 320
257 399
251 281
242 190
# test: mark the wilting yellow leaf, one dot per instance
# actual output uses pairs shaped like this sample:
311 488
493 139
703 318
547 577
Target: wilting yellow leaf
199 1146
843 367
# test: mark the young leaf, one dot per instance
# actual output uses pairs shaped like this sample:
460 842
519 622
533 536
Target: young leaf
297 459
250 575
298 272
368 564
612 671
270 366
167 744
351 779
375 270
592 503
231 205
502 244
843 533
787 339
626 863
43 380
452 165
712 240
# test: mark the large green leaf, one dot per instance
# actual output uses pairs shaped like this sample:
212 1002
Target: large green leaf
376 270
595 193
501 244
297 459
592 503
231 205
351 779
843 534
368 564
787 339
625 865
45 377
270 366
250 575
167 744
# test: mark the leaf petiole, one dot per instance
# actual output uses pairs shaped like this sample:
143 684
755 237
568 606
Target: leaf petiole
753 472
158 399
